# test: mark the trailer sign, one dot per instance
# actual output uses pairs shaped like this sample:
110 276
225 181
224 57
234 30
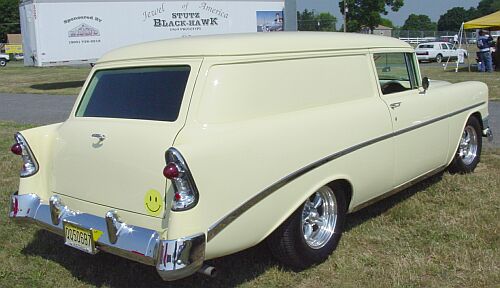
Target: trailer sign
59 32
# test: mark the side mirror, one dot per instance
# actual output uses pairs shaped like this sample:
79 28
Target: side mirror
425 83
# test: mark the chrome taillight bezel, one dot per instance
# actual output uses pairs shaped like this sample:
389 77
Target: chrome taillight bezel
174 156
27 157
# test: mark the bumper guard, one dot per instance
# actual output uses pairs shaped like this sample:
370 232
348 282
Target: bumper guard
173 259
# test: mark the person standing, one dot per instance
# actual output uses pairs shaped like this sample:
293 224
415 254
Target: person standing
484 43
497 54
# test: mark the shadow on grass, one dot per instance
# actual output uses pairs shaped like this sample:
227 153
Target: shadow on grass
378 208
105 269
58 85
110 270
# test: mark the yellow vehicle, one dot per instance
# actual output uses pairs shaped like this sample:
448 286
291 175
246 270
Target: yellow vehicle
212 144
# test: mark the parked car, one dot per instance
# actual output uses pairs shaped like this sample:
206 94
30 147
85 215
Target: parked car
4 58
192 152
19 56
437 51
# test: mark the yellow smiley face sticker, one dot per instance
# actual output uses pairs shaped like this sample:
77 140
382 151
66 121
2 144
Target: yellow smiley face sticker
153 202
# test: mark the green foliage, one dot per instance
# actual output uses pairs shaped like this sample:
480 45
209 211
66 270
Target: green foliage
486 7
326 22
9 18
308 21
452 20
387 23
419 22
366 13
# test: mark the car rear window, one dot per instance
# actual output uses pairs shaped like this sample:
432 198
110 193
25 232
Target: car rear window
426 46
147 93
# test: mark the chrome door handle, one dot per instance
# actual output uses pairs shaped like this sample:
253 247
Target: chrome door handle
101 137
395 105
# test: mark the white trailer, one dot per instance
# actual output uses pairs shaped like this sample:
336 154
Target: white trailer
63 32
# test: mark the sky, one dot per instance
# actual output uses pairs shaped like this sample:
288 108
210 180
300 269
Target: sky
431 8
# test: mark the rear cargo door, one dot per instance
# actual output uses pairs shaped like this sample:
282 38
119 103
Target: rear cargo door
112 150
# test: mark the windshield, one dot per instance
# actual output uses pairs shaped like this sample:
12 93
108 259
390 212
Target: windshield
146 93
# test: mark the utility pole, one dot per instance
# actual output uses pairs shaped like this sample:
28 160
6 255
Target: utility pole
345 15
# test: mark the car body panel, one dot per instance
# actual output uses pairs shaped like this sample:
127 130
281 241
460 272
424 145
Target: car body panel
264 123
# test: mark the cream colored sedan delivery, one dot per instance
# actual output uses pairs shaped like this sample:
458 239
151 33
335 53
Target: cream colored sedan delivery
210 145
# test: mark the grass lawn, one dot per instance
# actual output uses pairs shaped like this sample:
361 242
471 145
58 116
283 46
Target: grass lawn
443 232
436 72
47 80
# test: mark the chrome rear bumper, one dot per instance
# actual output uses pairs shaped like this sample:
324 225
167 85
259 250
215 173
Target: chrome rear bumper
174 259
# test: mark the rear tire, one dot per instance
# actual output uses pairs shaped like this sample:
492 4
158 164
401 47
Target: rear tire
313 231
3 62
469 148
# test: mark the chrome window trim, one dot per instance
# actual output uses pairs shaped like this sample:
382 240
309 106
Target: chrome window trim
222 223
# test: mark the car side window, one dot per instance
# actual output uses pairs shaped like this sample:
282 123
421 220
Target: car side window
444 46
396 72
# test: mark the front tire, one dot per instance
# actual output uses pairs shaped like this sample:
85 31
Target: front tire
439 58
469 149
3 62
313 231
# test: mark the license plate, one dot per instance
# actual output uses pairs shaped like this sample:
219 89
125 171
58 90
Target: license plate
79 238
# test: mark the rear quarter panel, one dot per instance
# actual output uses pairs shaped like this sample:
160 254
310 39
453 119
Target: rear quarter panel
41 141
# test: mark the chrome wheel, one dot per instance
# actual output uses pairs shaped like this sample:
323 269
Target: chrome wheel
319 218
468 147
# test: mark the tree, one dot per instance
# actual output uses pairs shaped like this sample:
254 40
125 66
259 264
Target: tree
419 23
387 23
486 7
305 21
367 12
452 20
9 18
308 21
327 22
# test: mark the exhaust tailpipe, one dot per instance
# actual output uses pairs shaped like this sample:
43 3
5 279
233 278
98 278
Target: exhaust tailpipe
208 270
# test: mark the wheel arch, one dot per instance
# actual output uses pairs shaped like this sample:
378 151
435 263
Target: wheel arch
456 138
346 186
479 118
218 245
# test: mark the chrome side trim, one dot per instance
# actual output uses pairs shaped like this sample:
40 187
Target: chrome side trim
222 223
173 259
398 189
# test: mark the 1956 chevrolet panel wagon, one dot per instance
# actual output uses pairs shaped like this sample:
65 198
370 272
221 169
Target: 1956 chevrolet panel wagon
210 145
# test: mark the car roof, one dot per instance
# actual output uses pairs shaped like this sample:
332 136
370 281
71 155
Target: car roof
435 42
252 44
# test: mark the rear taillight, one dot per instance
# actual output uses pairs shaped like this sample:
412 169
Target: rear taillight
185 191
21 148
